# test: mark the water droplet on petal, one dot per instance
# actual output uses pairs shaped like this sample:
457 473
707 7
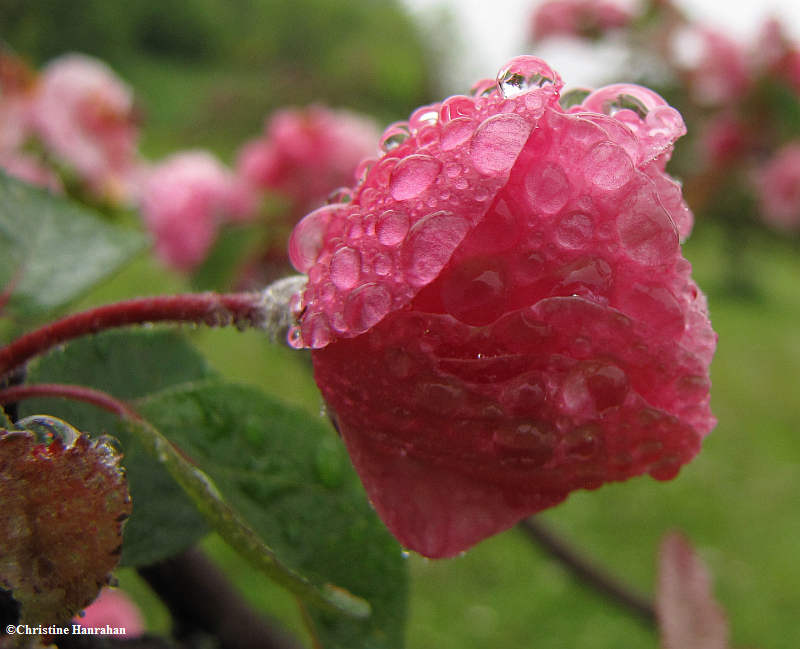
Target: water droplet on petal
317 331
497 143
339 195
475 292
413 175
457 132
531 442
548 187
583 442
424 116
366 306
524 73
295 338
484 88
308 237
430 244
455 107
345 268
392 227
394 136
608 166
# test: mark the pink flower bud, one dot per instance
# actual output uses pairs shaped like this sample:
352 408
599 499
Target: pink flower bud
115 609
85 116
501 314
184 201
778 187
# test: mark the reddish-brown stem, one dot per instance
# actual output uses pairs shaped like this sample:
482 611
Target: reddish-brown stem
97 398
213 309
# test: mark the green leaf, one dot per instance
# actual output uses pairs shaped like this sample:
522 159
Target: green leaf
291 479
130 364
54 250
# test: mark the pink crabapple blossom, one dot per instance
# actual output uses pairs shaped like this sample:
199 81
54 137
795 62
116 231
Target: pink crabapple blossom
577 18
502 314
305 153
778 187
184 201
85 116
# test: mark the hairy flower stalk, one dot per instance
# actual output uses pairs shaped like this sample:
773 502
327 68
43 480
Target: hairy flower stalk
501 314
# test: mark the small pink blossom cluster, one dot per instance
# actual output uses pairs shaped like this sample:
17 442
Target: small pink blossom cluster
185 200
501 313
741 100
306 153
84 119
583 18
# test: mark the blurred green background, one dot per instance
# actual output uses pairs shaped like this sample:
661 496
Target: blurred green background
207 72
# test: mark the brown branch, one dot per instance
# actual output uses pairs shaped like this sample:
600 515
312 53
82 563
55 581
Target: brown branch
212 309
588 572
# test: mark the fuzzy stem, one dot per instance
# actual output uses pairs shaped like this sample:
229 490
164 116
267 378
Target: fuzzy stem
202 491
266 310
588 572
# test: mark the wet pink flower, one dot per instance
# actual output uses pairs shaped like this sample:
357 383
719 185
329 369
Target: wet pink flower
86 118
586 18
115 609
501 314
306 153
184 201
778 187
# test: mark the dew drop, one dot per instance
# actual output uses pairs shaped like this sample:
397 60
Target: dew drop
583 442
366 306
424 116
455 107
484 88
413 175
394 136
452 169
345 268
317 331
456 132
339 195
429 245
524 73
295 338
392 227
531 441
308 237
497 143
548 187
608 166
382 264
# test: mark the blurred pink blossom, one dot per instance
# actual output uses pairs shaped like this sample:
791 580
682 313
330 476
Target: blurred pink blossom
718 65
113 608
29 169
305 153
778 187
577 18
16 85
184 201
86 118
723 140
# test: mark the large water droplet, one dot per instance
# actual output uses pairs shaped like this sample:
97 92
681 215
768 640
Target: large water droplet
424 116
548 187
593 387
308 237
656 306
316 331
583 443
345 268
392 227
608 166
366 306
484 88
497 143
456 132
455 107
475 292
413 175
524 73
394 136
429 245
531 441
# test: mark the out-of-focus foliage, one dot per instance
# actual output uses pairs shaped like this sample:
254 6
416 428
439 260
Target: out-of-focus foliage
360 53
